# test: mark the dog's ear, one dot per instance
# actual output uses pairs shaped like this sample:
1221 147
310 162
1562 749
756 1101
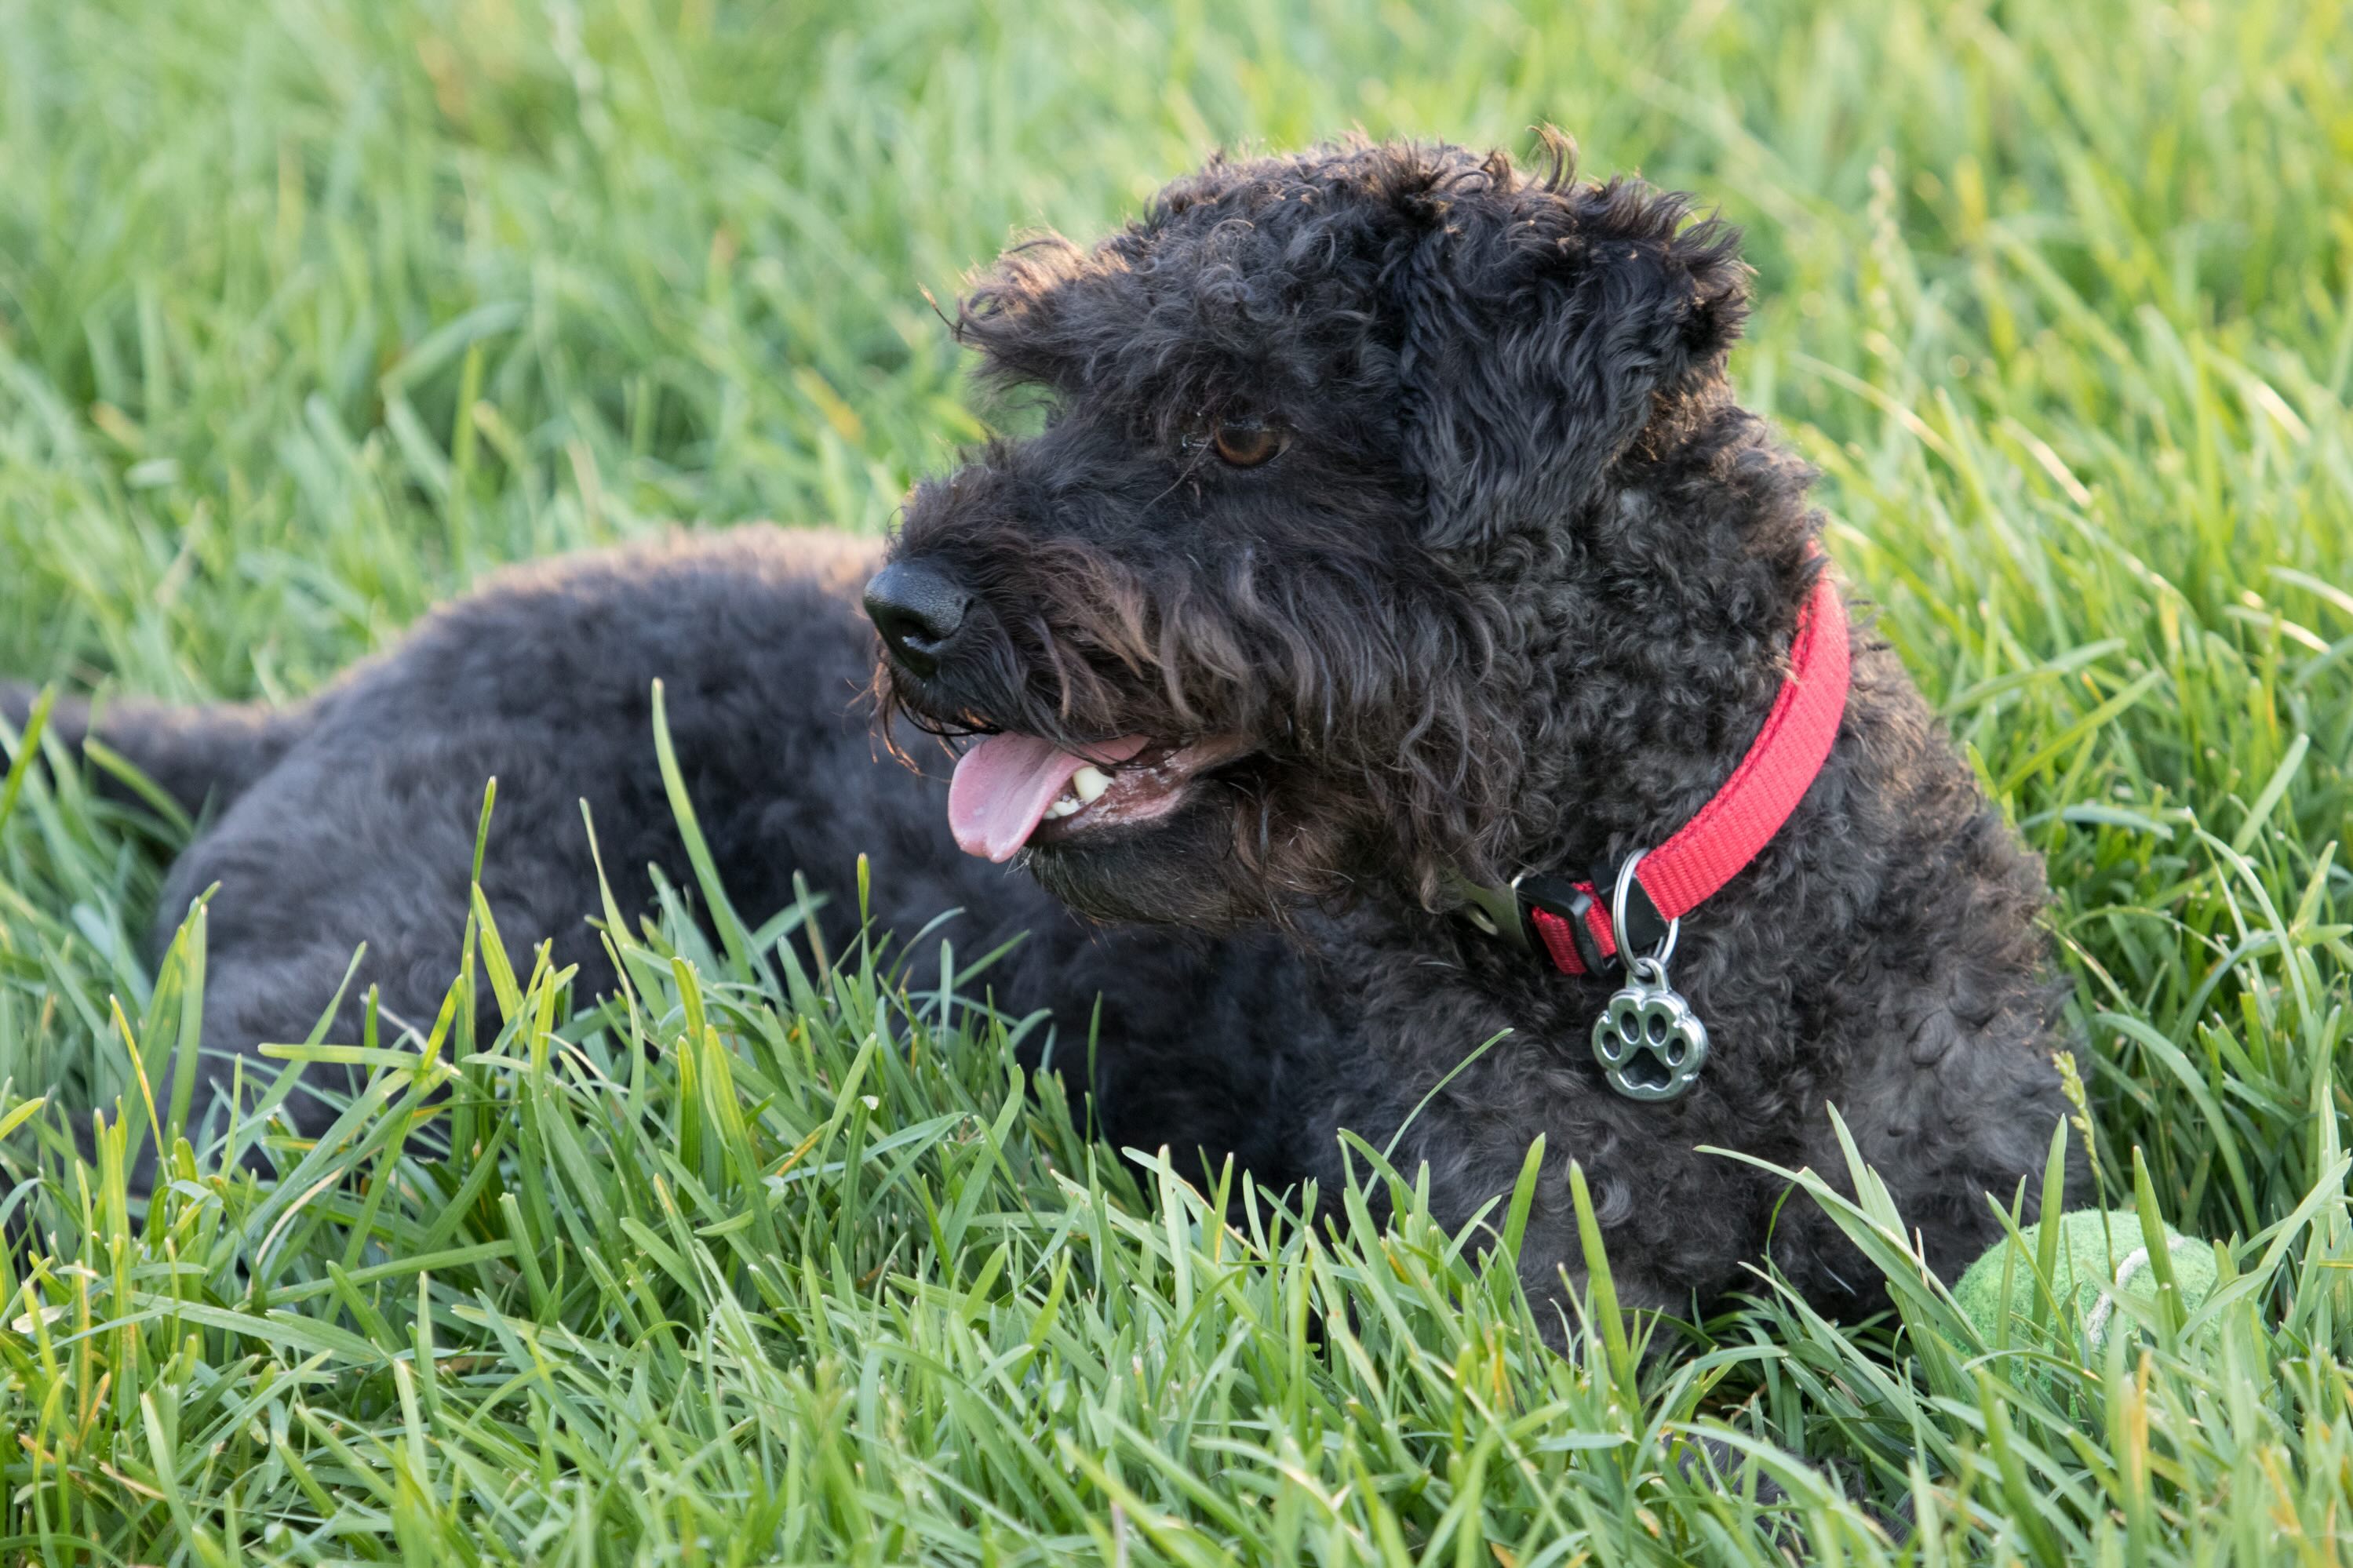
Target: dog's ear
1545 322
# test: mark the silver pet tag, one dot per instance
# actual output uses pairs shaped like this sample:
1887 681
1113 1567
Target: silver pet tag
1649 1044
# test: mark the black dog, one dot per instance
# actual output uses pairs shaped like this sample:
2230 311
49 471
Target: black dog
1394 568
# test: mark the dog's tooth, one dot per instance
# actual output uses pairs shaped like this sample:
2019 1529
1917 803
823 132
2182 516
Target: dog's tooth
1090 781
1061 808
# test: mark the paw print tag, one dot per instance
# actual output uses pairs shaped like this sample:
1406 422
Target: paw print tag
1649 1044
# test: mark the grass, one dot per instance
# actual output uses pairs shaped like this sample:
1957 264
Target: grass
310 312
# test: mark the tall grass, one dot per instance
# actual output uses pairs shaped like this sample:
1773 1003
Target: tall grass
309 313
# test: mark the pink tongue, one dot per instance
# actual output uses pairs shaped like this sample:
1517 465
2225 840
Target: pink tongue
1002 786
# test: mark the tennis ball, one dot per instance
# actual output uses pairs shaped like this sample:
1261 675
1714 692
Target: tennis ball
2100 1256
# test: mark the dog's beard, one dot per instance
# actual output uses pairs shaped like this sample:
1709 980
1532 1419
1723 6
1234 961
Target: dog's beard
1181 871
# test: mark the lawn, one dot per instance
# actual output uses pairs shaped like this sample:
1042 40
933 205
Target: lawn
312 312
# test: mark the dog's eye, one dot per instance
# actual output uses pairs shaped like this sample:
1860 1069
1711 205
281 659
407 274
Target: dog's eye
1246 443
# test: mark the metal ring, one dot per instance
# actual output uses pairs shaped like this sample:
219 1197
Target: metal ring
1617 921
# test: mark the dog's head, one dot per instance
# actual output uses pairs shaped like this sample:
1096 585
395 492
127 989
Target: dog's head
1251 619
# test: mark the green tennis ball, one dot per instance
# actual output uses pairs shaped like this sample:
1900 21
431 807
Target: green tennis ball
2101 1255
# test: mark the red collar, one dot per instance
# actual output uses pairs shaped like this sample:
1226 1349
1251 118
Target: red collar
1572 919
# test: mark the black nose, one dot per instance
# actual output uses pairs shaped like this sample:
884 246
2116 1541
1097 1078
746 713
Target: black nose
918 609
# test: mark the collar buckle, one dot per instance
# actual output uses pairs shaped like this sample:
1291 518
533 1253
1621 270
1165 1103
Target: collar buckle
1506 913
1572 904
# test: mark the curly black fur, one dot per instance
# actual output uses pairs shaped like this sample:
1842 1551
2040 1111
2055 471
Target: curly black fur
1514 593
